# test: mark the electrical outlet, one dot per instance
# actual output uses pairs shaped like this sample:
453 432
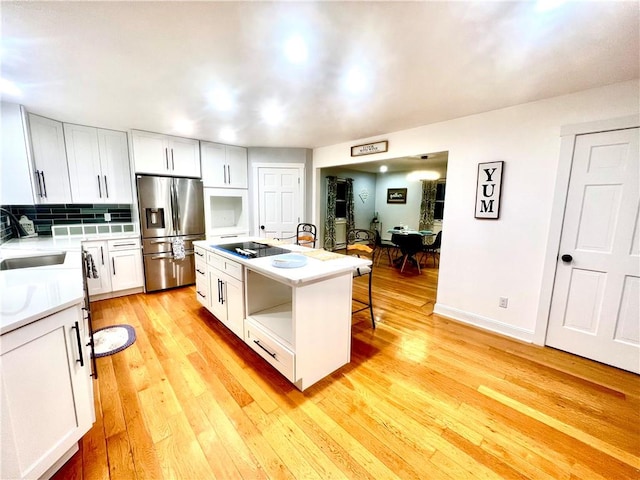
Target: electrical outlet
503 302
107 217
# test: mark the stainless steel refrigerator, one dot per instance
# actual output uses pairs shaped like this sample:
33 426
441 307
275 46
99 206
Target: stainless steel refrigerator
171 218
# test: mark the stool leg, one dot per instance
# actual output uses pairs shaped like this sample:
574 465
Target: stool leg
373 320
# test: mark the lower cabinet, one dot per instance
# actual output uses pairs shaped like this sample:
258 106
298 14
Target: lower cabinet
118 267
47 394
220 288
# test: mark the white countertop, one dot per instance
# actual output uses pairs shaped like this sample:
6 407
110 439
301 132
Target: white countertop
314 269
29 294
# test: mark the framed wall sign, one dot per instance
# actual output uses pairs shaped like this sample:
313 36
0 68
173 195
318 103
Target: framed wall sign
369 148
396 195
488 190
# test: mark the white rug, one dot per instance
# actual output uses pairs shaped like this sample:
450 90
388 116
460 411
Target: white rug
114 339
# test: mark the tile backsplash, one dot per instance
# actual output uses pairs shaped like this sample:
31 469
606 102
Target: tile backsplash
46 216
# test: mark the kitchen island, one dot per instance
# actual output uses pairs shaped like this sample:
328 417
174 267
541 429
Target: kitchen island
297 319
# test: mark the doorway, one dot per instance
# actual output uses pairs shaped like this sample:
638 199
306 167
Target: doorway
595 301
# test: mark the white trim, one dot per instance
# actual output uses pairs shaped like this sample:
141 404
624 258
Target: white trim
619 123
485 323
256 186
563 175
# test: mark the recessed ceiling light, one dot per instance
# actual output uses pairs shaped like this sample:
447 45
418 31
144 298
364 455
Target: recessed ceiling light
272 113
356 81
7 87
295 49
423 175
228 134
222 99
383 168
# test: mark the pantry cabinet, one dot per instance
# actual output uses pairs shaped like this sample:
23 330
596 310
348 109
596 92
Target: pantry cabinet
47 394
154 153
98 161
223 166
50 170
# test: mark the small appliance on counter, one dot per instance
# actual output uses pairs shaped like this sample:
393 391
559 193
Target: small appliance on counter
171 219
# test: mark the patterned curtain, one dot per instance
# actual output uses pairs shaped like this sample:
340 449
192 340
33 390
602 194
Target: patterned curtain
351 218
330 220
427 205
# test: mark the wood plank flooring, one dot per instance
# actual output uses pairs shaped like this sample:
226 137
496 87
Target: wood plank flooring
424 397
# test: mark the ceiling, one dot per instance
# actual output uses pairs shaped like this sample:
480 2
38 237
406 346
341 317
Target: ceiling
156 65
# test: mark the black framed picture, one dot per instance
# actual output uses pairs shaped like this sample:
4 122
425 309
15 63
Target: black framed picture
396 195
488 190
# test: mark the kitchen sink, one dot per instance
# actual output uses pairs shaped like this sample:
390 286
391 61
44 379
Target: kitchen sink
33 261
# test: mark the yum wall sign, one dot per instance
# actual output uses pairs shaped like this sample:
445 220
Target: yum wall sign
488 189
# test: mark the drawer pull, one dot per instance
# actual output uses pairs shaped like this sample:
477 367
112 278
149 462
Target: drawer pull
203 296
124 244
199 271
257 342
199 254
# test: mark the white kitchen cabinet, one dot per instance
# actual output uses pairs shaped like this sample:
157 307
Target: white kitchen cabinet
16 187
220 288
50 172
100 255
155 153
119 267
223 166
98 161
47 395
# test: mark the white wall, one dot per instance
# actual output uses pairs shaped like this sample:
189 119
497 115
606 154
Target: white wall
485 259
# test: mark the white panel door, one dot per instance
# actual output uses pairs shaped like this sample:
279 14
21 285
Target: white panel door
184 157
595 307
100 257
83 155
280 202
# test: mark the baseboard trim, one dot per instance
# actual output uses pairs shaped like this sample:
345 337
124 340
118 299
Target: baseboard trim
484 323
119 293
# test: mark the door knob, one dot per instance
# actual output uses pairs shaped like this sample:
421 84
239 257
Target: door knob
566 258
261 227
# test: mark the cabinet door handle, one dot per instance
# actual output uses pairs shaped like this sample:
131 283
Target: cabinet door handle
44 184
257 342
198 292
229 173
173 166
199 271
101 254
38 183
113 264
106 187
224 173
81 359
219 291
99 187
166 156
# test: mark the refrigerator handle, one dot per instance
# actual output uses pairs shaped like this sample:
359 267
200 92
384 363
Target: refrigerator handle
177 209
173 208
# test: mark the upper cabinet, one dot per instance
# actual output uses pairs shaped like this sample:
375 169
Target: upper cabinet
16 187
223 166
50 160
98 165
165 155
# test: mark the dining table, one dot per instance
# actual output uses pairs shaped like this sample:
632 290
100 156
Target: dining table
410 243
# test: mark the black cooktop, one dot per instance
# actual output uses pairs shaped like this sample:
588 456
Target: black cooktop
251 249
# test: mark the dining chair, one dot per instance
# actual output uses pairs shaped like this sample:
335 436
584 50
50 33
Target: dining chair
410 244
362 243
434 248
384 245
306 235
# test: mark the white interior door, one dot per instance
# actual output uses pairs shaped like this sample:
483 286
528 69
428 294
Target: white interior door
280 201
595 307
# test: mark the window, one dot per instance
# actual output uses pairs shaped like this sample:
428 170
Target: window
341 199
439 207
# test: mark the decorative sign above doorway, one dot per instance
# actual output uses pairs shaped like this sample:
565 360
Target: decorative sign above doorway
369 148
488 190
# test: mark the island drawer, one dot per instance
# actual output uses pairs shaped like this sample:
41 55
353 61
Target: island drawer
224 265
123 244
200 254
270 349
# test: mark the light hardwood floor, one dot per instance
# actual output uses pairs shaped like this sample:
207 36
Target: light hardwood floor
423 398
